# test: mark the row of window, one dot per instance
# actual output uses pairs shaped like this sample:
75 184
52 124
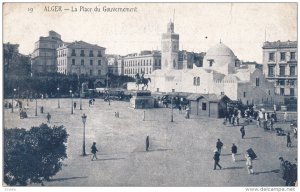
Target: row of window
63 53
82 62
64 71
271 70
139 70
142 62
282 56
292 91
285 82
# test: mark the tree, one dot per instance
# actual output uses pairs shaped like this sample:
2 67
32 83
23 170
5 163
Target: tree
10 50
35 155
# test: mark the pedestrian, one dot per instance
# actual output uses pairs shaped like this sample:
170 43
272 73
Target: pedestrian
94 151
48 117
147 143
249 164
239 116
288 140
285 116
281 167
271 123
219 146
232 119
179 108
217 160
233 151
187 115
242 130
74 105
295 132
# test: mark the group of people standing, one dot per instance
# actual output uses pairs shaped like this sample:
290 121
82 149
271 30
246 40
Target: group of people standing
233 117
288 172
234 149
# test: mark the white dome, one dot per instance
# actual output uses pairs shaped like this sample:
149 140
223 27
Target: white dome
220 50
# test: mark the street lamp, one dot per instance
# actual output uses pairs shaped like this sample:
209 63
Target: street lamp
83 117
172 109
12 100
35 104
58 104
80 100
71 102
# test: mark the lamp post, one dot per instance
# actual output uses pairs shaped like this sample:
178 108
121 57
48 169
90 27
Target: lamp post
58 104
12 100
172 109
83 117
71 101
35 104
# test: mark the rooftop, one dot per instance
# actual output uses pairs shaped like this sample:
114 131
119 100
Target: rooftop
280 44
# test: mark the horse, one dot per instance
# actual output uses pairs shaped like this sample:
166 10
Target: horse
142 80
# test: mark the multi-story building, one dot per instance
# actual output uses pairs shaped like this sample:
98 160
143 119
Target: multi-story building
145 62
81 58
120 62
280 66
112 64
44 56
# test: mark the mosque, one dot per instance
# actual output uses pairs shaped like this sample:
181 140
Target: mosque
221 74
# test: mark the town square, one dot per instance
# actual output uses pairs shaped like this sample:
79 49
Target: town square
180 153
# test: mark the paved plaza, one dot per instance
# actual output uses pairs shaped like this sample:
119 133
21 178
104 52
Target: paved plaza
181 152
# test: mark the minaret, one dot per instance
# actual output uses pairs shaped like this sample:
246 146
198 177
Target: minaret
170 46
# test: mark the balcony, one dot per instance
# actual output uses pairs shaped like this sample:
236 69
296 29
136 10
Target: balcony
82 54
91 55
73 54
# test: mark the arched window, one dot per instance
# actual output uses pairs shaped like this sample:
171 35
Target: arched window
198 80
194 81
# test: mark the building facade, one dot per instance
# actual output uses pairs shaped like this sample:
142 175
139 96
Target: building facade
112 64
280 66
81 58
146 62
221 74
44 56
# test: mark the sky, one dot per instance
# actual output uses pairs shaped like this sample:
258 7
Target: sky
241 26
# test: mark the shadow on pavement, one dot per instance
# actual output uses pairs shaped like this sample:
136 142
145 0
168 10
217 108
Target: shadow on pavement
68 178
233 168
272 171
160 150
109 159
240 160
252 137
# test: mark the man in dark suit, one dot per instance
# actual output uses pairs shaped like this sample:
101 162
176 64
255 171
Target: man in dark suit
217 159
